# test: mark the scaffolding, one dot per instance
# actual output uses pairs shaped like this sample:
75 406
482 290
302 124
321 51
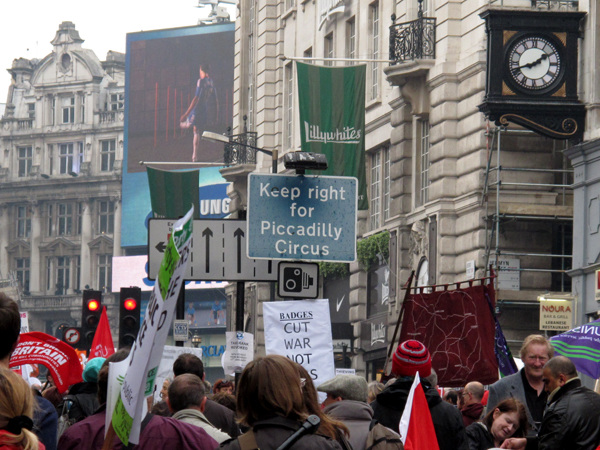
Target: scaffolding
528 196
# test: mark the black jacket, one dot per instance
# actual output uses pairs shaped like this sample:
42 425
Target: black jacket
447 420
271 433
571 420
85 400
221 417
478 437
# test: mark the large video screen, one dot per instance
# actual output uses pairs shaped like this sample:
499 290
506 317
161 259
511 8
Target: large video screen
179 83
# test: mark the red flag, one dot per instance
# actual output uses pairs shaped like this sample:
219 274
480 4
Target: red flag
102 345
416 426
59 357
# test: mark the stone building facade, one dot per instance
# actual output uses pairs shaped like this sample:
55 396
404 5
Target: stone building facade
61 141
436 168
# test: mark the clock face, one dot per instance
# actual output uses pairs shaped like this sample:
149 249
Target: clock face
534 64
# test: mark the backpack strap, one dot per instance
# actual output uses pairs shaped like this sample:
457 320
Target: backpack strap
247 441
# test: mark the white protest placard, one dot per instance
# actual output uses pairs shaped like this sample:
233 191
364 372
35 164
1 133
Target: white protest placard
24 322
147 349
239 351
165 368
301 331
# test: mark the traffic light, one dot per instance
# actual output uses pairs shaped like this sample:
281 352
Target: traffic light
129 315
91 310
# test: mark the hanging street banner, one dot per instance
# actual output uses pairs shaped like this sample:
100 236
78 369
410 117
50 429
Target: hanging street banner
298 217
58 356
582 346
147 350
332 119
172 193
301 331
239 351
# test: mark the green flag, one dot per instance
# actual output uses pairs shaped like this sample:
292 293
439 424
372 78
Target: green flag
172 194
332 119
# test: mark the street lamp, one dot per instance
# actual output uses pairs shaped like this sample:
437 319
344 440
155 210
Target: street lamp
196 340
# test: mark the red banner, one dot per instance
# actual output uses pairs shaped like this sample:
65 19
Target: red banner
60 358
102 345
458 329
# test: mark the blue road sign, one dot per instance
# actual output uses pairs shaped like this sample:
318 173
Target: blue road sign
302 217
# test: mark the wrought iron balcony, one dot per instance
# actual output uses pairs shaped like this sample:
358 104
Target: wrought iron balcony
412 40
241 149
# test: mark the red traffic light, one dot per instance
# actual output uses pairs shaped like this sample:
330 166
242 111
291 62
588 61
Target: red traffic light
93 305
130 304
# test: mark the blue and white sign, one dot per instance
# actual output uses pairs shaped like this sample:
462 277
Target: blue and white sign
302 217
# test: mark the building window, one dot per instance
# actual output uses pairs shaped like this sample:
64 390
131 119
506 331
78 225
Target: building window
107 155
374 37
290 4
328 49
105 272
50 220
52 110
423 146
63 274
117 102
22 273
68 110
25 156
289 105
23 222
351 40
31 110
66 158
251 94
65 219
380 187
106 217
82 107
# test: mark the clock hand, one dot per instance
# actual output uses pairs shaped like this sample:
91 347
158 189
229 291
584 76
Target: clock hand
533 63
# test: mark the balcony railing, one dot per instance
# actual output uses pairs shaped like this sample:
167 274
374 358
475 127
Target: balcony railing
547 5
25 124
239 150
412 40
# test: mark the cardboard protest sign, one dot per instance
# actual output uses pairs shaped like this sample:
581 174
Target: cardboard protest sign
301 331
147 349
165 368
59 357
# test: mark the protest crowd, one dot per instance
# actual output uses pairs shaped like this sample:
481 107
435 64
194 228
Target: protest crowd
275 405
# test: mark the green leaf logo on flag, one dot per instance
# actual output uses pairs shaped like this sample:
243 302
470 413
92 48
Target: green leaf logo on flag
332 119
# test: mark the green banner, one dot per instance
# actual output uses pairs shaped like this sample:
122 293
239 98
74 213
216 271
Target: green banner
332 119
172 194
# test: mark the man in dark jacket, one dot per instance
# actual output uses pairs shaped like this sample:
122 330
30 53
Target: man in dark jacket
412 357
347 401
572 418
471 407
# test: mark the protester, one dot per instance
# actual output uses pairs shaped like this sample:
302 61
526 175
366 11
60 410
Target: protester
224 386
451 397
186 401
84 395
161 409
412 357
374 388
227 400
347 401
572 417
164 391
508 419
271 403
471 406
157 432
45 418
16 412
220 416
526 385
330 426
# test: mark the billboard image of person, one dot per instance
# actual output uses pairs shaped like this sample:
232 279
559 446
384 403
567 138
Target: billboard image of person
179 83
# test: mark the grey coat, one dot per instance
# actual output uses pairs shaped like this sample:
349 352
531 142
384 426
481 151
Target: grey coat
356 416
507 387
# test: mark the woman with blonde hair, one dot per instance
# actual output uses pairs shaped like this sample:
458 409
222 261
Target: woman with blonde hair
270 402
16 412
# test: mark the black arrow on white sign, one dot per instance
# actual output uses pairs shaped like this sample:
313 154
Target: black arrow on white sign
161 247
239 234
208 234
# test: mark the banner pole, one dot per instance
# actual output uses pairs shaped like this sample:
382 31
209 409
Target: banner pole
392 344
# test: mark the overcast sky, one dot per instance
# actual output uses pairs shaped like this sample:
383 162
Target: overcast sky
29 26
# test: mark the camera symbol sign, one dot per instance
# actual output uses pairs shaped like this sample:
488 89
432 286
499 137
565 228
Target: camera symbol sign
298 280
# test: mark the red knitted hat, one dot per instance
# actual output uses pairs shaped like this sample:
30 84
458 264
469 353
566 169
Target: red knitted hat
411 357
